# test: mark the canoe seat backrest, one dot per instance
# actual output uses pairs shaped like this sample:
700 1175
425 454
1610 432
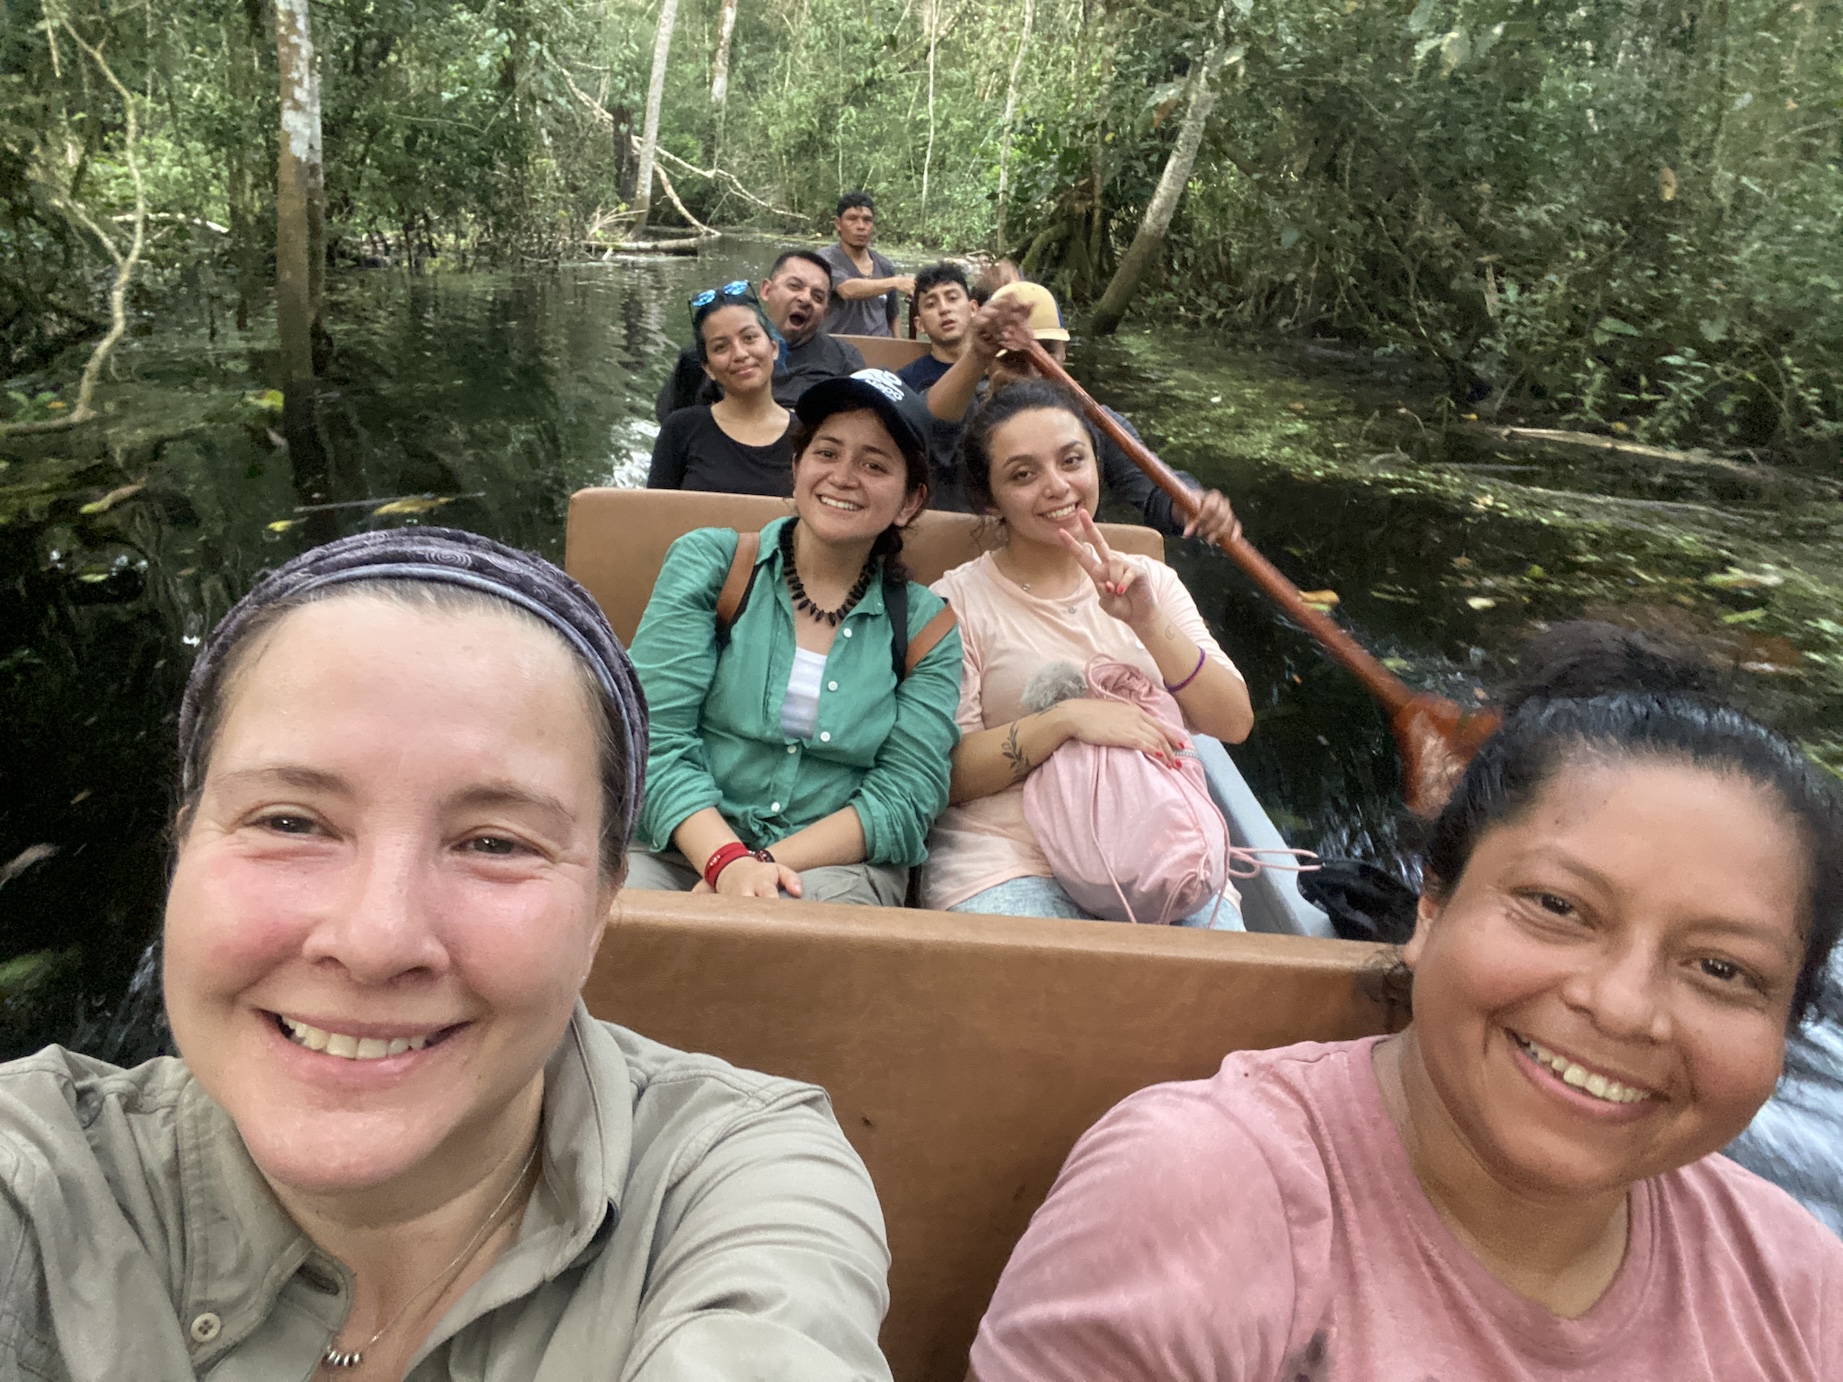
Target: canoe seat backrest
887 352
963 1054
618 537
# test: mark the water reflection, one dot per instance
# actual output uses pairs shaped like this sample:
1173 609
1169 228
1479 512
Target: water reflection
479 402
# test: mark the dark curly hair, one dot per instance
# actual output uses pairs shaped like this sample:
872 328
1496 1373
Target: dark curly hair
936 275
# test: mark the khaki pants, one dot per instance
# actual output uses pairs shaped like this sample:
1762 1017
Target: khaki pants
860 885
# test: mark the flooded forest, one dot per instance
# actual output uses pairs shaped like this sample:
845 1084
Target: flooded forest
1484 314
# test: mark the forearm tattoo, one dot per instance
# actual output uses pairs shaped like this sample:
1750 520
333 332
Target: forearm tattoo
1015 755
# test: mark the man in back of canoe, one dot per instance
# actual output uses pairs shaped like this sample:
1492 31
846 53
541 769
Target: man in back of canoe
865 285
985 365
945 306
794 295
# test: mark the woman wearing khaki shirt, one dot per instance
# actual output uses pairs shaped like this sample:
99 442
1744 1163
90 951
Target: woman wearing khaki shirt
395 1145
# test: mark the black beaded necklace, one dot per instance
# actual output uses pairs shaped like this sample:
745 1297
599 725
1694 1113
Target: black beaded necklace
796 589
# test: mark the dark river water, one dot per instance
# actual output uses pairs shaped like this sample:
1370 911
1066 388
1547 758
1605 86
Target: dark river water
484 401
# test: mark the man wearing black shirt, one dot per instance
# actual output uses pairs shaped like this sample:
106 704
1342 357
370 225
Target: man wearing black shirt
794 295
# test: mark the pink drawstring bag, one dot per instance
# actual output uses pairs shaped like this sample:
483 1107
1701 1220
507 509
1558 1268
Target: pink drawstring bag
1129 839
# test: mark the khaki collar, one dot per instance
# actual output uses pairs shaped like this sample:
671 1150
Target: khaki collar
241 1249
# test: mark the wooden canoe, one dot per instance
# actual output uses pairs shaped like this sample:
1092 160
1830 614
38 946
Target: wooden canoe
963 1055
618 537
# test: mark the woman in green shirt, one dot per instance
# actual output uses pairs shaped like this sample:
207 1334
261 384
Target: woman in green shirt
804 748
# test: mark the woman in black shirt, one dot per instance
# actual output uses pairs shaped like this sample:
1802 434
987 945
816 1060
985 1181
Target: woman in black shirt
737 445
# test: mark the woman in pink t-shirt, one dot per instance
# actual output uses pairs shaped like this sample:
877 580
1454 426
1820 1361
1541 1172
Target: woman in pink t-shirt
1053 592
1630 900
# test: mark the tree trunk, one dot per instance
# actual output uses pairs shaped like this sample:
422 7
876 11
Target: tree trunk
1004 146
649 130
720 67
298 179
931 16
1097 228
622 131
1150 238
314 178
244 172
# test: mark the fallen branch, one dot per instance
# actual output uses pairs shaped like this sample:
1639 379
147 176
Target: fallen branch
724 177
594 106
176 217
687 245
605 220
124 264
704 231
1568 496
717 175
670 244
1593 441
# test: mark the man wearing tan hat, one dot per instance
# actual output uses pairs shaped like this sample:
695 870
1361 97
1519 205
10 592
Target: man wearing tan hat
984 362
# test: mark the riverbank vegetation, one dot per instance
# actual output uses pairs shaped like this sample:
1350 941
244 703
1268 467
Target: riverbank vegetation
1624 216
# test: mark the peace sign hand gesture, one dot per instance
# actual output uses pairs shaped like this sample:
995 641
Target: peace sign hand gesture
1123 593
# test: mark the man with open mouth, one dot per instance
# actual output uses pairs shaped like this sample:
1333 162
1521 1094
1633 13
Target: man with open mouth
794 295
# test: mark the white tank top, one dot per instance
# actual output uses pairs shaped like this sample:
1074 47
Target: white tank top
800 711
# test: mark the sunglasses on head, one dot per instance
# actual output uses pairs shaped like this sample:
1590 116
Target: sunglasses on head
736 288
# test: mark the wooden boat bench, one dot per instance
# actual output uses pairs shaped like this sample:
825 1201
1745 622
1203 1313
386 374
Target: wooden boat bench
964 1055
618 537
887 352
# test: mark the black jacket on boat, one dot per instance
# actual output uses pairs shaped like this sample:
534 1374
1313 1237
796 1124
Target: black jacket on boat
818 357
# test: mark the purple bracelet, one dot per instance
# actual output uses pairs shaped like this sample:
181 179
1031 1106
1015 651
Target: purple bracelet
1192 677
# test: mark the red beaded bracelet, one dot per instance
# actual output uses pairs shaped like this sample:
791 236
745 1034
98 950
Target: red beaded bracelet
1192 677
725 855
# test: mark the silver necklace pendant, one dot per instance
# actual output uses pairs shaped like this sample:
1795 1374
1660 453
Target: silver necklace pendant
336 1357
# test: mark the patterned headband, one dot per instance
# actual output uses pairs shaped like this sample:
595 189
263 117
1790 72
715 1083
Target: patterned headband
443 556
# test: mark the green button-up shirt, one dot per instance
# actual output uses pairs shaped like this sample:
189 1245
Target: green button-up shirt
692 1221
879 747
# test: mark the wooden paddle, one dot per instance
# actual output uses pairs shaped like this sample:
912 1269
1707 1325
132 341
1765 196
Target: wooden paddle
1437 736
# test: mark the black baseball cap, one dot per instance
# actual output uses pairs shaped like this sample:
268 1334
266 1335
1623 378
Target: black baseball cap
903 411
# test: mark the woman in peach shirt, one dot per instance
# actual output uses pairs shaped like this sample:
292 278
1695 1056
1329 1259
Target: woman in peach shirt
1054 592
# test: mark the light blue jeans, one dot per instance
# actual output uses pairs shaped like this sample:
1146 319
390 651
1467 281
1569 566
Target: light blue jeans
1044 897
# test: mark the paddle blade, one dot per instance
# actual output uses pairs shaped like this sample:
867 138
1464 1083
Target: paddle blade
1437 738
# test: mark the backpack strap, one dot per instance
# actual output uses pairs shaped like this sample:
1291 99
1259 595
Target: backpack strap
906 653
734 593
930 636
896 609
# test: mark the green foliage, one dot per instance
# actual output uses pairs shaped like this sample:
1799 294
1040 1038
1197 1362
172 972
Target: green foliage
46 298
1630 211
1620 212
